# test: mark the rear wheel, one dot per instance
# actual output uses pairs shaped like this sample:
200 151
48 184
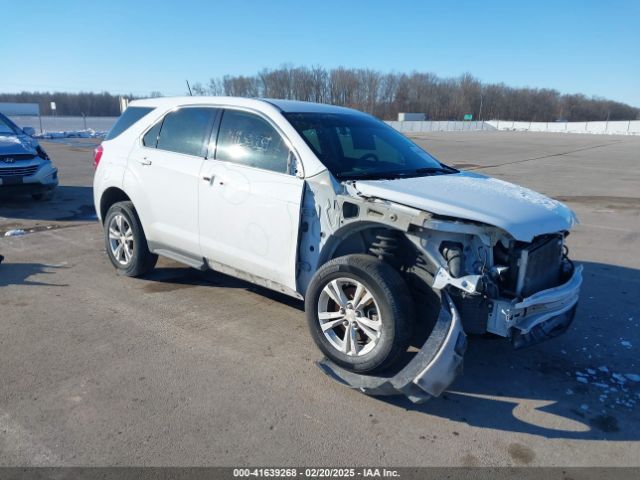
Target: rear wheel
125 241
360 313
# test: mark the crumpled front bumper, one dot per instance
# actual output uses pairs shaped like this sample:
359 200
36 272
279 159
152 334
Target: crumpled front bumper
543 315
431 370
435 366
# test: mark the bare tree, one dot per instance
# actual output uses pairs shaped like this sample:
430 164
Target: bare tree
381 94
240 86
198 90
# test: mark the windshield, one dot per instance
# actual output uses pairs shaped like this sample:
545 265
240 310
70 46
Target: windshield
6 128
355 146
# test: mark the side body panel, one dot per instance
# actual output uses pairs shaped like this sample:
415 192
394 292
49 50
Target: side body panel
166 184
249 220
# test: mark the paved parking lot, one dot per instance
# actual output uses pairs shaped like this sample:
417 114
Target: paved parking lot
188 368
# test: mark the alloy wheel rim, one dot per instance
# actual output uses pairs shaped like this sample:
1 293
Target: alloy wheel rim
349 317
121 239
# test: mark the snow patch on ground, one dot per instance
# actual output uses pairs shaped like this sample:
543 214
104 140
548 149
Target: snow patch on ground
89 133
14 233
613 388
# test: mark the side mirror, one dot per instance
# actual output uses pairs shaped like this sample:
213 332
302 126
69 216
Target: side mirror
294 167
29 131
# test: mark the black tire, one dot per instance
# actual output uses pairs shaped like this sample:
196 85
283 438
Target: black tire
43 196
393 300
142 261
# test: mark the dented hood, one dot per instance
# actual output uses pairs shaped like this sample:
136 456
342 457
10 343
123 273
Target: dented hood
519 211
17 145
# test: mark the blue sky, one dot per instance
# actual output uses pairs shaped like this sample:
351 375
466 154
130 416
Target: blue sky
590 47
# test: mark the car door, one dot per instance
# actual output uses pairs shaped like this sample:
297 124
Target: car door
167 165
249 202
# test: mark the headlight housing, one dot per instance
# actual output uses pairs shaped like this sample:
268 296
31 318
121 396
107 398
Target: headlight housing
41 153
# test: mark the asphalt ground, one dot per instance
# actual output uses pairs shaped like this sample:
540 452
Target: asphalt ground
187 368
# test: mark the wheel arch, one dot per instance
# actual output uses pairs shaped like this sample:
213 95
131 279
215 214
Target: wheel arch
109 197
387 243
355 237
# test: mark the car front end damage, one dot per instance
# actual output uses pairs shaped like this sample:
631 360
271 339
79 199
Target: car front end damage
524 291
25 168
487 279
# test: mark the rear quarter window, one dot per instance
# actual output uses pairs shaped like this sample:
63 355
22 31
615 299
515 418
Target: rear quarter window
130 116
150 138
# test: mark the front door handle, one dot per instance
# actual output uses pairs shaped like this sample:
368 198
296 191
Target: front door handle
144 161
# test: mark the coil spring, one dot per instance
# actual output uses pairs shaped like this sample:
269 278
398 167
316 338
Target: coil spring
385 246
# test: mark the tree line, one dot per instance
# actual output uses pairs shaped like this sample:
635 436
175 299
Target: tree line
381 94
386 94
91 104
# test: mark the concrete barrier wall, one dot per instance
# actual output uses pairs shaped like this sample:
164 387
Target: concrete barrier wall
439 126
103 124
64 124
631 127
627 127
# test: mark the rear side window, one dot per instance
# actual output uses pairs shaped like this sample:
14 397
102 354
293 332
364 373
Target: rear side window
185 130
249 140
130 116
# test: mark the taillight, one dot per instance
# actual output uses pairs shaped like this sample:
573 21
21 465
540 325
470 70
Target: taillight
97 155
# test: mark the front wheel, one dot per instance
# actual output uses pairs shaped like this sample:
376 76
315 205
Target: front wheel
360 313
125 241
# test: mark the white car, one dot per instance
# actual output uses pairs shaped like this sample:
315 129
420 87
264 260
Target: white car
332 205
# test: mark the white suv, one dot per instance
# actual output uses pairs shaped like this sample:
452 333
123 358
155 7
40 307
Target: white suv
331 205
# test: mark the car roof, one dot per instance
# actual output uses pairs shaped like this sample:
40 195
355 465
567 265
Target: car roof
297 106
288 106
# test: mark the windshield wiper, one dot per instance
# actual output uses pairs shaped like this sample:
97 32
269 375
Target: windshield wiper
371 175
433 170
418 172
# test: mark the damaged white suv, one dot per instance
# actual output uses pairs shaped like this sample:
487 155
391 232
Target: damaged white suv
387 245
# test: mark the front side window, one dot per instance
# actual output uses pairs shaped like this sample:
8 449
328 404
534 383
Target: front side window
249 140
186 131
356 146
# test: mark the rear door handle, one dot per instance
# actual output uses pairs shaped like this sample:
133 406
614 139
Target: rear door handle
209 179
144 161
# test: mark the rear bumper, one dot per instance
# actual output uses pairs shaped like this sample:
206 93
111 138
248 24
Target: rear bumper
543 315
427 374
